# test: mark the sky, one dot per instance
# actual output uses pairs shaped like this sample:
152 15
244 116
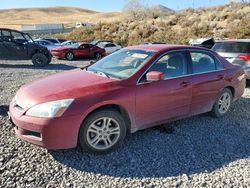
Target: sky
107 5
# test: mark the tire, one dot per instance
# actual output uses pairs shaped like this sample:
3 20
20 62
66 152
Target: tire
40 60
95 136
223 103
98 56
70 56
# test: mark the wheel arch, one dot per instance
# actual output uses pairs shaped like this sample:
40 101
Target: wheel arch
120 109
37 51
69 51
231 88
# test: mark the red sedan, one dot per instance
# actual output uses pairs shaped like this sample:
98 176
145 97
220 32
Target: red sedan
133 89
84 50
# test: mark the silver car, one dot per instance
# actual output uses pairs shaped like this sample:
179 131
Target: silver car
46 44
236 52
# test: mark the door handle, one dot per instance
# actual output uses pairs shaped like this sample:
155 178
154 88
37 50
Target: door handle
185 84
220 77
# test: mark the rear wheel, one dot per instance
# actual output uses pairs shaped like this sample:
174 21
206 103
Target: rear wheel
102 132
70 56
40 60
223 103
98 56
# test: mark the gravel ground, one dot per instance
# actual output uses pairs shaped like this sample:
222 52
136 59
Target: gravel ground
197 152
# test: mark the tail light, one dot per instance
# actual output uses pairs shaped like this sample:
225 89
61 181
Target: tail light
244 57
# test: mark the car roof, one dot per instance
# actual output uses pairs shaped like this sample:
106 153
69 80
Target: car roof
164 47
81 43
10 30
199 40
104 43
233 40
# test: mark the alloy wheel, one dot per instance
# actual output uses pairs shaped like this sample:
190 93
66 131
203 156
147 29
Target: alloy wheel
103 133
224 103
70 56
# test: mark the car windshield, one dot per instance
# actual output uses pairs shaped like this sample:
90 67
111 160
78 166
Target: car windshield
232 47
28 37
122 64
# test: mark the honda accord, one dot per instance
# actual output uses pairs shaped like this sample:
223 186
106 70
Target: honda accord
135 88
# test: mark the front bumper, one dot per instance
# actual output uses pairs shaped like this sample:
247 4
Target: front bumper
58 54
56 133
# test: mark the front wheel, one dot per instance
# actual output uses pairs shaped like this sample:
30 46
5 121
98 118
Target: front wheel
40 60
223 103
102 132
70 56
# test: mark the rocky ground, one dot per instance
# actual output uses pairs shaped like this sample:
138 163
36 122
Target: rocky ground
196 152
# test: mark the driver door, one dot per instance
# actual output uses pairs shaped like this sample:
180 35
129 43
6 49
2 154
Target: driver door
83 51
166 99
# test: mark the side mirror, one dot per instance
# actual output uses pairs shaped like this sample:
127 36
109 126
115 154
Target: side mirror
154 76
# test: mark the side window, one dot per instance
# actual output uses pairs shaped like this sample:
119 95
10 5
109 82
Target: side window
18 37
219 65
6 36
172 65
82 46
112 45
44 43
202 62
86 46
6 33
1 38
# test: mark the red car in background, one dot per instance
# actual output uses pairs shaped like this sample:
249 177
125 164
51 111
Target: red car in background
84 50
132 89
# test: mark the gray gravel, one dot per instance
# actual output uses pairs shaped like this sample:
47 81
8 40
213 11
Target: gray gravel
197 152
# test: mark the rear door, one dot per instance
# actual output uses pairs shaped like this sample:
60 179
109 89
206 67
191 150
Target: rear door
207 78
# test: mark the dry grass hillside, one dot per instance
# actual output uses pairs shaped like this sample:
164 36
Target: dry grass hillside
14 18
229 21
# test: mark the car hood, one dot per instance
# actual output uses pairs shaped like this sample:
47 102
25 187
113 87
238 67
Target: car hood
36 46
61 48
70 84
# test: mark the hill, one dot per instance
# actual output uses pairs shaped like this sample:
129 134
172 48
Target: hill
229 21
163 9
13 18
158 23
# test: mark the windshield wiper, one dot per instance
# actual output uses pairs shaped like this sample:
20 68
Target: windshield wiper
86 67
97 72
103 74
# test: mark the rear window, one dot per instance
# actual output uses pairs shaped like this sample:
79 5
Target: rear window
232 47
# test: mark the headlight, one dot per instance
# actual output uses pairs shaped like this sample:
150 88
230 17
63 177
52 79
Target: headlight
50 109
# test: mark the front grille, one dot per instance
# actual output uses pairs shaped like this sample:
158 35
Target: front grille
32 133
29 133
